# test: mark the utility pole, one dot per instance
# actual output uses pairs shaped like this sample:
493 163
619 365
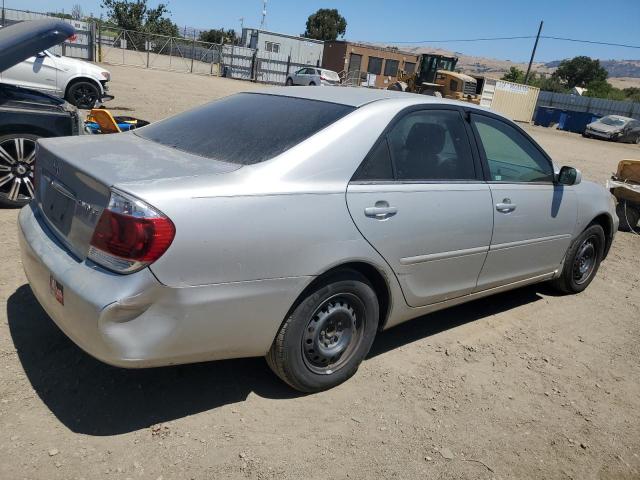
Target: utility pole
3 13
264 14
533 53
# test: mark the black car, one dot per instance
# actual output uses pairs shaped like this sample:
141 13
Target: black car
26 115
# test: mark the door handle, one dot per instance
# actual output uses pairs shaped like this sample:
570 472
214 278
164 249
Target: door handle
381 211
506 206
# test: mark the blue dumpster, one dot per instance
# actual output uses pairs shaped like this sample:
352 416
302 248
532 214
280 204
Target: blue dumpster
577 121
545 116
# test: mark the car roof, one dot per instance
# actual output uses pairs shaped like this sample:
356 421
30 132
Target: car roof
354 96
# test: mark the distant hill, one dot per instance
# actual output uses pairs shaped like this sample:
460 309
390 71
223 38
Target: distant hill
622 73
616 68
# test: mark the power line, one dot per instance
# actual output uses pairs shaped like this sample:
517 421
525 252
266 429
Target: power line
519 37
466 39
591 41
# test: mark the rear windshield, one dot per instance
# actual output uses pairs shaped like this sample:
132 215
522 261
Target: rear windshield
245 128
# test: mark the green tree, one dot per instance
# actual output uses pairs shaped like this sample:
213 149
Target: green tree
136 15
632 93
514 75
216 35
603 89
326 24
580 71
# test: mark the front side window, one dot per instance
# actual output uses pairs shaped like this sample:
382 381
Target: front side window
510 155
431 145
374 66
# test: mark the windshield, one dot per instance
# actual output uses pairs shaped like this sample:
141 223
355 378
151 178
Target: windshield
330 74
614 121
245 128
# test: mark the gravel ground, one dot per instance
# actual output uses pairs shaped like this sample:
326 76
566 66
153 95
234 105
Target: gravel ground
526 384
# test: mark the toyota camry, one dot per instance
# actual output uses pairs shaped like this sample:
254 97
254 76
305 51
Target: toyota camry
297 223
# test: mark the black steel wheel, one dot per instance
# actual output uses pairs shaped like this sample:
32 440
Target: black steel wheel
582 261
83 95
328 334
17 156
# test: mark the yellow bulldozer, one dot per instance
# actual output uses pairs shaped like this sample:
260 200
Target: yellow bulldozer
435 75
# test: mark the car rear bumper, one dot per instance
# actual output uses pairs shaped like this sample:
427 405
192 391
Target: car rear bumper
135 321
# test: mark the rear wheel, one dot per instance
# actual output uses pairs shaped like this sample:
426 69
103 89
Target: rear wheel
83 95
628 215
582 261
327 336
17 155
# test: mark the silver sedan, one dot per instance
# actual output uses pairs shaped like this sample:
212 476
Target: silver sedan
296 224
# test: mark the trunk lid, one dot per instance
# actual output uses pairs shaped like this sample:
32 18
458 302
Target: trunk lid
74 176
26 39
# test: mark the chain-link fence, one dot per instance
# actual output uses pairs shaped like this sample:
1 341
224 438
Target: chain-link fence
126 47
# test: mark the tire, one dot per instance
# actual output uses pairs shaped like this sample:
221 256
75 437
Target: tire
16 168
313 351
582 261
638 139
83 94
289 82
628 216
312 84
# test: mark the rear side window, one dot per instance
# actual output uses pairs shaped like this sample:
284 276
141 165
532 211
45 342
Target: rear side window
431 145
245 128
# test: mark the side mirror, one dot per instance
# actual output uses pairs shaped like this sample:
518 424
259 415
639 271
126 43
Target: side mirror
40 55
569 176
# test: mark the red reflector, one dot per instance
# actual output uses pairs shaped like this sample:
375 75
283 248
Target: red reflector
133 238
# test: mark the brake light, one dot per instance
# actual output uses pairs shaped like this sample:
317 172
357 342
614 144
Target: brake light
130 235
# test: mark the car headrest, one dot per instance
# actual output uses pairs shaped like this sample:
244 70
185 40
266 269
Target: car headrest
426 137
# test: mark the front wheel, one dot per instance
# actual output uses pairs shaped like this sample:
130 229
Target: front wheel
312 84
83 95
582 261
17 156
289 82
322 343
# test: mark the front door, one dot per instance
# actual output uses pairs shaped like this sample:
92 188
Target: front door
420 201
533 216
38 73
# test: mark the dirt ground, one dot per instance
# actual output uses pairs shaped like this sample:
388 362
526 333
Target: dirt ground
526 384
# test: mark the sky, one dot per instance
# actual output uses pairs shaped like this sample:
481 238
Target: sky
615 21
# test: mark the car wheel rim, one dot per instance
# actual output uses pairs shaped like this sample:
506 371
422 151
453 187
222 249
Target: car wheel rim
585 261
17 157
84 96
333 333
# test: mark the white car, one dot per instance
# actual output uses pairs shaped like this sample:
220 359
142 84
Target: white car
312 76
81 83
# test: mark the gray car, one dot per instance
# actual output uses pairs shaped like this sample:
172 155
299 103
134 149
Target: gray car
616 128
296 224
313 76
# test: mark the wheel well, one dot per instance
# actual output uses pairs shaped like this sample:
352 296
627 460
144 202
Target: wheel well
607 225
81 79
371 273
33 130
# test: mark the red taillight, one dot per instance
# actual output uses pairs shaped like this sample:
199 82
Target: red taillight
130 235
141 239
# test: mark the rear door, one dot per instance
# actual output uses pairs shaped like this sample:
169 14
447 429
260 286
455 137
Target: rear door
420 201
534 218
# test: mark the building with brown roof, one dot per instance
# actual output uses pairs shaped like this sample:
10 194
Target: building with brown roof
377 66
